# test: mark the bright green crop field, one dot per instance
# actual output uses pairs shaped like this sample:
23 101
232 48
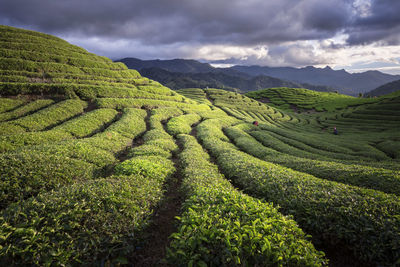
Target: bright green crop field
100 166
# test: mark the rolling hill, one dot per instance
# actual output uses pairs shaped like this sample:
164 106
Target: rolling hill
101 166
305 100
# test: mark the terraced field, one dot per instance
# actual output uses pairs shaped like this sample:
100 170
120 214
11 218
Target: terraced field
100 166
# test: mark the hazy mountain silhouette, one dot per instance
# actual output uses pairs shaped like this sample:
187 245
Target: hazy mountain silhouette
182 73
385 89
341 80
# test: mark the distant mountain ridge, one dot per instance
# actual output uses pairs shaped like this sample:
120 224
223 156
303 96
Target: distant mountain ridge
182 73
385 89
216 79
173 65
341 80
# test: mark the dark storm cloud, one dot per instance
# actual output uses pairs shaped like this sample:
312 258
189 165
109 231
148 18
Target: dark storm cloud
164 22
180 28
381 23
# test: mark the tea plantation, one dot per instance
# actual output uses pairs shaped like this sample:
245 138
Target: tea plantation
103 167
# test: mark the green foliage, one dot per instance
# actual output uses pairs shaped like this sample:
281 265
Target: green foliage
10 128
88 123
182 124
54 213
375 178
307 99
14 141
82 224
391 148
223 227
147 166
25 109
51 115
131 124
225 99
27 173
364 220
116 103
196 94
7 104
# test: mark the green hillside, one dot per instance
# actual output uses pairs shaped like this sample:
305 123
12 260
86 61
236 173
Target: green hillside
100 166
298 99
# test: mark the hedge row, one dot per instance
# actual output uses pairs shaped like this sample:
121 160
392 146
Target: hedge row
90 223
51 115
88 123
60 58
364 220
369 177
145 103
25 174
220 226
25 109
182 124
7 104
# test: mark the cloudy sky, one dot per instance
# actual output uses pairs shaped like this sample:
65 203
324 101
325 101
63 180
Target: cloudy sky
356 35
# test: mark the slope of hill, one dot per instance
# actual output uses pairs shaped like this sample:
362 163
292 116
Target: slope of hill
385 89
302 99
344 82
100 166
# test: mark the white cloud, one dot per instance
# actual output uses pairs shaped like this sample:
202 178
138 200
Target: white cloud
333 52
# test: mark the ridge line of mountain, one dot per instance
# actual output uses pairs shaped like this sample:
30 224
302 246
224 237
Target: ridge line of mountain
318 79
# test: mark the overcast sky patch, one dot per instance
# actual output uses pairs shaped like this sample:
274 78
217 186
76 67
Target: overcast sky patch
276 33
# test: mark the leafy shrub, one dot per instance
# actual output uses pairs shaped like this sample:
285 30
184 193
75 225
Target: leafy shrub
27 173
88 123
25 109
363 219
82 224
52 115
14 141
147 166
7 104
375 178
144 103
182 124
223 227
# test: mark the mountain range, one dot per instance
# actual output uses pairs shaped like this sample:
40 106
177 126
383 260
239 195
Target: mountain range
341 80
182 73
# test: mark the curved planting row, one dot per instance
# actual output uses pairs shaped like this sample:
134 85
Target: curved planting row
220 226
196 94
119 103
324 144
9 104
30 170
375 178
79 127
97 222
25 109
89 223
45 118
363 220
307 99
61 59
182 124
